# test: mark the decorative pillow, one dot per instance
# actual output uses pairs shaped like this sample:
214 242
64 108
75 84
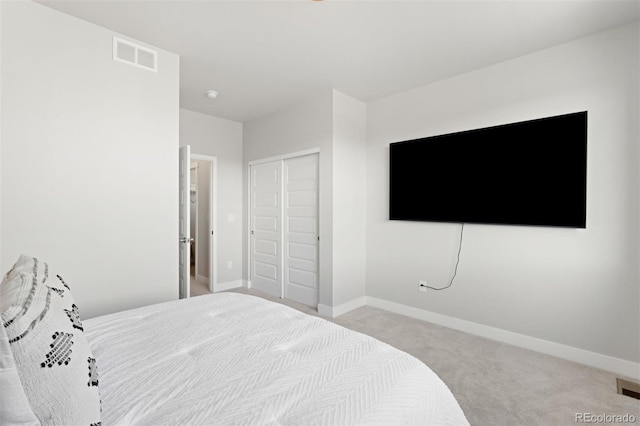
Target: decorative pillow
54 361
14 406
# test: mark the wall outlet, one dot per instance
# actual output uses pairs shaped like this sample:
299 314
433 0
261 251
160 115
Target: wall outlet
229 264
422 286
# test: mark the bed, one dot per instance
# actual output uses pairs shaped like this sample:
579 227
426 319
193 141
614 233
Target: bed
236 359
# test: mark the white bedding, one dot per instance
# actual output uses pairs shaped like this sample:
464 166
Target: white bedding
236 359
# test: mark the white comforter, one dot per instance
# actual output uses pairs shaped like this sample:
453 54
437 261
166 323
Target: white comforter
236 359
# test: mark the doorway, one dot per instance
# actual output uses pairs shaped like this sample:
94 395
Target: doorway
197 224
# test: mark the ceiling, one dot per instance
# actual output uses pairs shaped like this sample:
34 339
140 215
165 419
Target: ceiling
262 56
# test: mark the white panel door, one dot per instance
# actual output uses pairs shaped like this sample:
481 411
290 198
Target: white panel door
301 229
266 227
184 236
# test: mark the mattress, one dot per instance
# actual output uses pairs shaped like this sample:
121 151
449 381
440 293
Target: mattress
236 359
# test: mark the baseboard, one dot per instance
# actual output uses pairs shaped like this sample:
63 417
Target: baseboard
604 362
228 285
202 279
336 311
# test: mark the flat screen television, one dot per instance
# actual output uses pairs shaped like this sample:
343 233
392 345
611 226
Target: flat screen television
526 173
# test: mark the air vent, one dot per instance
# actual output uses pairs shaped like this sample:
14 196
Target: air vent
628 388
134 54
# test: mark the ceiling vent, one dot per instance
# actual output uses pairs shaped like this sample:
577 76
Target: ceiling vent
134 54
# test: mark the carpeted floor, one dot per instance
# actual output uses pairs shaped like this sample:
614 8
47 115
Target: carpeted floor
197 288
496 384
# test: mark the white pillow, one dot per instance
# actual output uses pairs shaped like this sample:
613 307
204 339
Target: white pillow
52 355
14 407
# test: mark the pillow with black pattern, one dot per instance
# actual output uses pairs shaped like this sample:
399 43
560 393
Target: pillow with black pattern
56 367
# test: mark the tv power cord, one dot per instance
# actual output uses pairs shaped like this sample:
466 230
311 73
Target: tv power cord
455 271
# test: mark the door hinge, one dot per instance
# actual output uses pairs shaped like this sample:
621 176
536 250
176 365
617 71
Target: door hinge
252 232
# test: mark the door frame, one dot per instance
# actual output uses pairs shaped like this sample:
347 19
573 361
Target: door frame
248 223
213 217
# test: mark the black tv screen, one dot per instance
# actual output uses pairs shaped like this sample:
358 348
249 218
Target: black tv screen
527 173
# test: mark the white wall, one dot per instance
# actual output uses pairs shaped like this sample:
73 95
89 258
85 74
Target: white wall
349 204
298 128
574 287
89 152
221 138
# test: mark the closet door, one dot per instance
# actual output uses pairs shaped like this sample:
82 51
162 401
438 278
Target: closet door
301 229
266 227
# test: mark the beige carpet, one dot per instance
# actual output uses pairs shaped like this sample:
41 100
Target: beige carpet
496 384
196 288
